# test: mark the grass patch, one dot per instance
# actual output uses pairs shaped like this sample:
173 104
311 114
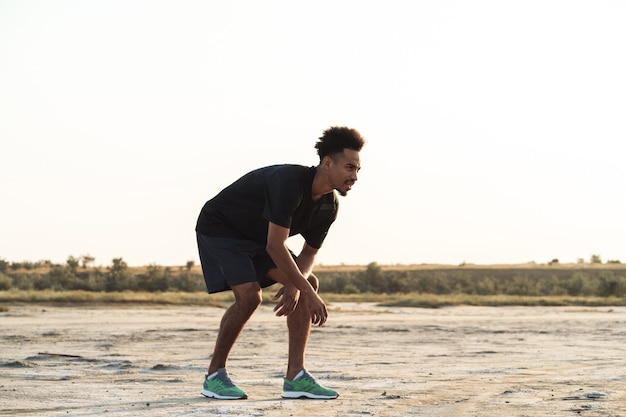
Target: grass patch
224 299
437 301
88 297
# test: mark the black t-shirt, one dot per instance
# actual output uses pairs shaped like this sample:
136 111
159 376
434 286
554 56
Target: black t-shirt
280 194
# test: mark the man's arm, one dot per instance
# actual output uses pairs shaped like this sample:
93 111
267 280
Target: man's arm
292 274
306 260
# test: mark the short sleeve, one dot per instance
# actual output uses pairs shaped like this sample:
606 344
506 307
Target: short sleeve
326 215
283 195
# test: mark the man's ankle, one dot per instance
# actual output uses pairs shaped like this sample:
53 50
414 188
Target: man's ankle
295 374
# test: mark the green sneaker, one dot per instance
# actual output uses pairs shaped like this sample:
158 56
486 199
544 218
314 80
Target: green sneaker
304 386
221 387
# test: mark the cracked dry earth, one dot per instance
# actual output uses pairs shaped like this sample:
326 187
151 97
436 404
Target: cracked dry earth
458 361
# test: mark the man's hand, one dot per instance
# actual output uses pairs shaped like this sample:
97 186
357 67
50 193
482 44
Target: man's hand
317 308
293 276
289 297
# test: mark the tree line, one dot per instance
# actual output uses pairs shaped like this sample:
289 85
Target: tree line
76 274
537 281
543 280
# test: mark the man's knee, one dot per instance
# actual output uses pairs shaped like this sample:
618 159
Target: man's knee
248 295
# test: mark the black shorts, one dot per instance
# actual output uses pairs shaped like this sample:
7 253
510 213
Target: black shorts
227 262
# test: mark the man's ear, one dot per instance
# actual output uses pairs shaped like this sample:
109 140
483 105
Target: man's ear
327 162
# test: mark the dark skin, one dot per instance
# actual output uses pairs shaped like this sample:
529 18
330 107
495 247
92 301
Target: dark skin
297 299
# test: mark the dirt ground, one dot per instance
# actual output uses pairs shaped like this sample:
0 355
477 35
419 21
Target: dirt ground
457 361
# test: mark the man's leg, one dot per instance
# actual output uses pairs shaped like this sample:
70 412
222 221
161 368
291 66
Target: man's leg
247 299
228 260
299 325
298 382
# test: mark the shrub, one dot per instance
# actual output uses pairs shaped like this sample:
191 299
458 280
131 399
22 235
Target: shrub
574 286
5 282
611 285
595 259
4 266
155 279
118 277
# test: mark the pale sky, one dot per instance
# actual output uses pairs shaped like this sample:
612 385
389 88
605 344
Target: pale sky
493 127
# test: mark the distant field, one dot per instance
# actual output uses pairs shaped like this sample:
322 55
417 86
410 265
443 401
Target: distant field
196 269
224 299
418 285
414 267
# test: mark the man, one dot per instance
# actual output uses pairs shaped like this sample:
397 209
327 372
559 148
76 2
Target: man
242 234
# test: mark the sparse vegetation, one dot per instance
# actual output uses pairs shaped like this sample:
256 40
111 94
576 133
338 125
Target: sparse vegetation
531 280
77 275
553 283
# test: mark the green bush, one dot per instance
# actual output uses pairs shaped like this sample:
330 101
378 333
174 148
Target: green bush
4 265
6 283
611 285
155 279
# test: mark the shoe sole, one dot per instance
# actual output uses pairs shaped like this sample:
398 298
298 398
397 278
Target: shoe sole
307 395
210 394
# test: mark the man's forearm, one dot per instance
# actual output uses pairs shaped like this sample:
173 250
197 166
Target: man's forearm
289 269
306 260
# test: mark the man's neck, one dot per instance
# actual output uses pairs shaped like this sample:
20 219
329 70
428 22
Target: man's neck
320 186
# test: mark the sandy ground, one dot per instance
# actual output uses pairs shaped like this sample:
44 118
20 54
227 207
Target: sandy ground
459 361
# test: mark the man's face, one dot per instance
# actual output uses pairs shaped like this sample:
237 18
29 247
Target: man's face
344 169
